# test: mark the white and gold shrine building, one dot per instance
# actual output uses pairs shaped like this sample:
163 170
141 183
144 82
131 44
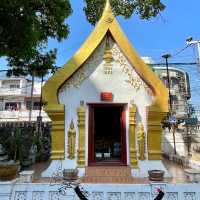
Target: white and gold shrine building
106 106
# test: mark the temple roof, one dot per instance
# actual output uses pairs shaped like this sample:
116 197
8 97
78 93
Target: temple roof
107 23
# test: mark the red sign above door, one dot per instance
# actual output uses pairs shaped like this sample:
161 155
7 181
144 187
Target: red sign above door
106 96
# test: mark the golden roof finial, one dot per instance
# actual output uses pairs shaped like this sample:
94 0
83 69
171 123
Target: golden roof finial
107 12
107 5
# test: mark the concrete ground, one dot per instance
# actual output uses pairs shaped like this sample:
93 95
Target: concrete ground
176 170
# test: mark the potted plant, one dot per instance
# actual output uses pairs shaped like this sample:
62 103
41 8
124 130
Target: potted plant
23 147
10 166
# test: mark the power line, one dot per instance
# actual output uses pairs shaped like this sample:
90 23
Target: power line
181 50
178 51
176 63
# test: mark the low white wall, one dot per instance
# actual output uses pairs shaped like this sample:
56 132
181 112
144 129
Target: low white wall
168 144
181 149
47 191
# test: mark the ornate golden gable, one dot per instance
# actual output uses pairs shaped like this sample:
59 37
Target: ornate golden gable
51 88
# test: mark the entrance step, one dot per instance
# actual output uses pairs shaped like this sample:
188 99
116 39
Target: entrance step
105 174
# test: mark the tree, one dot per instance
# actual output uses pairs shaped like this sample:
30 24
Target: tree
37 65
144 8
26 25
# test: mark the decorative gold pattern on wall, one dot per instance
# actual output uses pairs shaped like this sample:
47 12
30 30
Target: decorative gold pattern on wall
133 79
132 142
86 69
71 141
154 133
77 80
81 136
141 141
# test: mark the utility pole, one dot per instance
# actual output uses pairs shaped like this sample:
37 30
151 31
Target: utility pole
172 118
166 57
39 117
31 101
190 41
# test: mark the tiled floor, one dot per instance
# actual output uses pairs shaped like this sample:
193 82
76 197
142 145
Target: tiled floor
177 172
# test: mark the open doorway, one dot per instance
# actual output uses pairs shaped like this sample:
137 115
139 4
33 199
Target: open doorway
107 134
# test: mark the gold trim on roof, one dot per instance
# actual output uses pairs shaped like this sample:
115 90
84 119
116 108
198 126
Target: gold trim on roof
106 23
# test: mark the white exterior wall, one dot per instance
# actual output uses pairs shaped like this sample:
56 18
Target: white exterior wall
89 81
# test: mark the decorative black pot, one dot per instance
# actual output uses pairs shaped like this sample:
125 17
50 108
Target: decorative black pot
156 175
70 174
8 170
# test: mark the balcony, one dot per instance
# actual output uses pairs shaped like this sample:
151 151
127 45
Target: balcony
180 110
11 92
21 116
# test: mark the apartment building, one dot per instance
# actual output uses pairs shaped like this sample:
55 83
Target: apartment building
15 100
179 86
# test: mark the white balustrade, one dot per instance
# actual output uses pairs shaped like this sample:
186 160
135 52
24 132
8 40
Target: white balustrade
47 191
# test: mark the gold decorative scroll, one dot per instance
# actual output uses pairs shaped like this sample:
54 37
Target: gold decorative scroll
132 142
81 136
155 133
141 141
71 141
132 78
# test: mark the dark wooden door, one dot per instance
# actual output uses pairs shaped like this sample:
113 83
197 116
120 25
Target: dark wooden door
122 131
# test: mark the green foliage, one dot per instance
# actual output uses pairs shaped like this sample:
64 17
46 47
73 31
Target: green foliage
13 144
38 65
18 142
26 25
144 8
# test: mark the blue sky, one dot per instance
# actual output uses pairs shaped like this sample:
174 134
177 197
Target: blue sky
164 34
149 38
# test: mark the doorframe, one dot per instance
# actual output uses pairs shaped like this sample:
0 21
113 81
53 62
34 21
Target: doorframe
91 160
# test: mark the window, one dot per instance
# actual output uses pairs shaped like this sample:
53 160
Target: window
36 105
14 86
12 105
10 84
